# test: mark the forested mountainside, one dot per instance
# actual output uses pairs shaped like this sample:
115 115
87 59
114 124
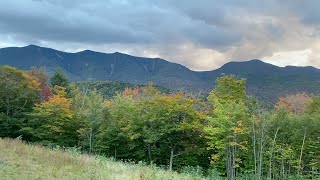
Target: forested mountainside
87 65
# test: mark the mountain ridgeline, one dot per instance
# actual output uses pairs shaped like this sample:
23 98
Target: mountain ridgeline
266 81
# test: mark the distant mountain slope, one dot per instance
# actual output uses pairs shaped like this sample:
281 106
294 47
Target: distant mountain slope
266 81
269 82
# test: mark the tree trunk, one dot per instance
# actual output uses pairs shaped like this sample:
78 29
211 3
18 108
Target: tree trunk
90 141
8 108
228 163
115 152
261 152
271 154
230 160
282 169
233 162
254 146
149 153
171 160
301 151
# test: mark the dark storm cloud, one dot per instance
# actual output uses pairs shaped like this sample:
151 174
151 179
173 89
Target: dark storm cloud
107 22
59 21
213 30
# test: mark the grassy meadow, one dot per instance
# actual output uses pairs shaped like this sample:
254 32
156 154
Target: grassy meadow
22 161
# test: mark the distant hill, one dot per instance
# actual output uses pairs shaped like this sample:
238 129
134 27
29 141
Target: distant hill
266 81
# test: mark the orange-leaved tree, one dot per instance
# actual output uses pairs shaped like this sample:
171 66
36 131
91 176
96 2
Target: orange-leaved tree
52 121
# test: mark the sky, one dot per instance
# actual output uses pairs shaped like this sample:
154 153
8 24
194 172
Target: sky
199 34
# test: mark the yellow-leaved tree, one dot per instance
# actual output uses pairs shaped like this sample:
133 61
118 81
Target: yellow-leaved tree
52 121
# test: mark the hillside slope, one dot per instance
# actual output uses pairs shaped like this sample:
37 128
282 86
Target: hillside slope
266 81
18 160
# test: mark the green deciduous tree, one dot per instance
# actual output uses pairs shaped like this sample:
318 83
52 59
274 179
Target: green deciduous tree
89 111
18 93
116 137
228 125
172 122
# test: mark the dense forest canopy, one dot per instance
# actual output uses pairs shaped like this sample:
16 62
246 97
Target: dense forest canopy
229 133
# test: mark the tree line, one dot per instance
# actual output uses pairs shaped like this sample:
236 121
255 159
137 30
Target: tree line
229 133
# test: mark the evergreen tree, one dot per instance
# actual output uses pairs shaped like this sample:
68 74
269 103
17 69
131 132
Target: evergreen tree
59 79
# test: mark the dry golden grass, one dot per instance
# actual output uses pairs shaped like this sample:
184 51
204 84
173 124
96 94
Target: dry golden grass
21 161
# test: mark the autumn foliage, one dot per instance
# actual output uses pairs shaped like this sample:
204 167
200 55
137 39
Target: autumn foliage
295 104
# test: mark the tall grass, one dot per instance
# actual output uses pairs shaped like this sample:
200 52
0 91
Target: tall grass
22 161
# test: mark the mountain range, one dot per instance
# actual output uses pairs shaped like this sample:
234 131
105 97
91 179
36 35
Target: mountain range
266 81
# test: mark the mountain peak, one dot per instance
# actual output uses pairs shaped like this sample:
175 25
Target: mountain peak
253 61
32 46
86 51
39 48
257 61
254 66
249 63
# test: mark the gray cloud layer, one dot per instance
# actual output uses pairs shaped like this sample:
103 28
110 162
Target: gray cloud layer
200 34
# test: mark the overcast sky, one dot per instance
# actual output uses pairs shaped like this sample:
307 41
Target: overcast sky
200 34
